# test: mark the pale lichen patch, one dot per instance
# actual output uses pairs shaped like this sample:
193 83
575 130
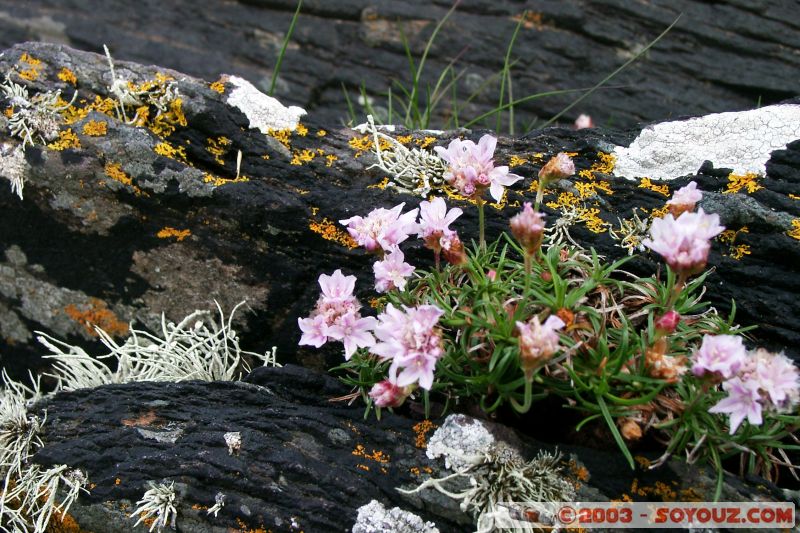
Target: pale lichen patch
263 111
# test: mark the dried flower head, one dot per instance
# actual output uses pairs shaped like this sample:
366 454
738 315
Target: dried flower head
559 167
684 199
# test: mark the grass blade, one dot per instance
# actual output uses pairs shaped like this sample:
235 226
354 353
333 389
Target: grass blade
283 48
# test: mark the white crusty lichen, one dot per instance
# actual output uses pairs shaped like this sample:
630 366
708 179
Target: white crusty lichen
416 171
742 141
198 347
157 503
233 439
494 471
264 112
375 518
13 166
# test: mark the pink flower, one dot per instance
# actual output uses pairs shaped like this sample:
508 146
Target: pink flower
742 402
583 121
721 354
410 339
354 332
387 394
684 199
382 228
538 342
453 249
315 331
528 228
391 273
492 275
337 285
777 378
435 222
472 169
559 167
684 242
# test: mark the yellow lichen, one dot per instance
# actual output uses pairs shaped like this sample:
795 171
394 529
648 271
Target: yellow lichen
167 150
331 232
169 232
67 76
530 20
795 231
565 199
32 73
216 181
381 185
282 136
322 133
404 139
659 212
516 161
423 143
66 139
305 156
794 197
301 130
330 158
165 124
218 86
217 148
115 172
737 182
9 111
593 222
646 183
95 128
365 144
376 455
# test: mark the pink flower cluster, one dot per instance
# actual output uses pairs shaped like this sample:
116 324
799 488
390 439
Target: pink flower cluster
754 381
382 229
684 199
337 317
528 228
410 339
471 168
684 242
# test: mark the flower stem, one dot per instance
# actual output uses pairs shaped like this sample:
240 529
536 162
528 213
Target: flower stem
481 223
539 195
680 283
525 406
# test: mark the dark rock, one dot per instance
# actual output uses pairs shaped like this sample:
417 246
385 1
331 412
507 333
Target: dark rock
721 56
303 459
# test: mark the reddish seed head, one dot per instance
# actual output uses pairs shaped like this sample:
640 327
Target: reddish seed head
668 322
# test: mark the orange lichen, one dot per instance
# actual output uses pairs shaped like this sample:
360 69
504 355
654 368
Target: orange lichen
117 481
529 20
66 139
165 124
646 183
382 185
282 136
218 86
376 455
322 133
735 251
95 128
304 156
169 232
32 73
9 111
67 76
115 172
96 313
593 222
63 523
404 139
423 143
580 472
737 182
417 471
421 430
301 130
218 182
331 232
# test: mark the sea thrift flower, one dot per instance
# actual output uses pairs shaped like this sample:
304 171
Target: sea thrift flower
684 199
387 394
668 322
683 242
435 222
583 121
719 354
337 297
538 342
742 402
409 338
472 169
315 331
382 229
492 274
559 167
453 249
391 273
777 377
354 332
528 228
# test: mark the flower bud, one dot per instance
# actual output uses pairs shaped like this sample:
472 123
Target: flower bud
559 167
453 250
684 199
528 228
538 342
630 429
388 394
492 275
583 121
667 323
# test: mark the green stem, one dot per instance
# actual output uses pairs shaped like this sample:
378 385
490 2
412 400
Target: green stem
481 223
680 283
525 406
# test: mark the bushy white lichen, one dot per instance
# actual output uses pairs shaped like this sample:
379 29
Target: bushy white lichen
33 118
264 112
375 518
13 165
742 141
198 347
494 470
157 503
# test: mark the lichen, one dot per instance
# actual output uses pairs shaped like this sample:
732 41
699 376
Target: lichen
96 313
748 181
66 139
218 86
795 231
95 128
331 232
735 251
218 148
115 172
646 183
168 150
67 76
262 111
170 232
375 518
